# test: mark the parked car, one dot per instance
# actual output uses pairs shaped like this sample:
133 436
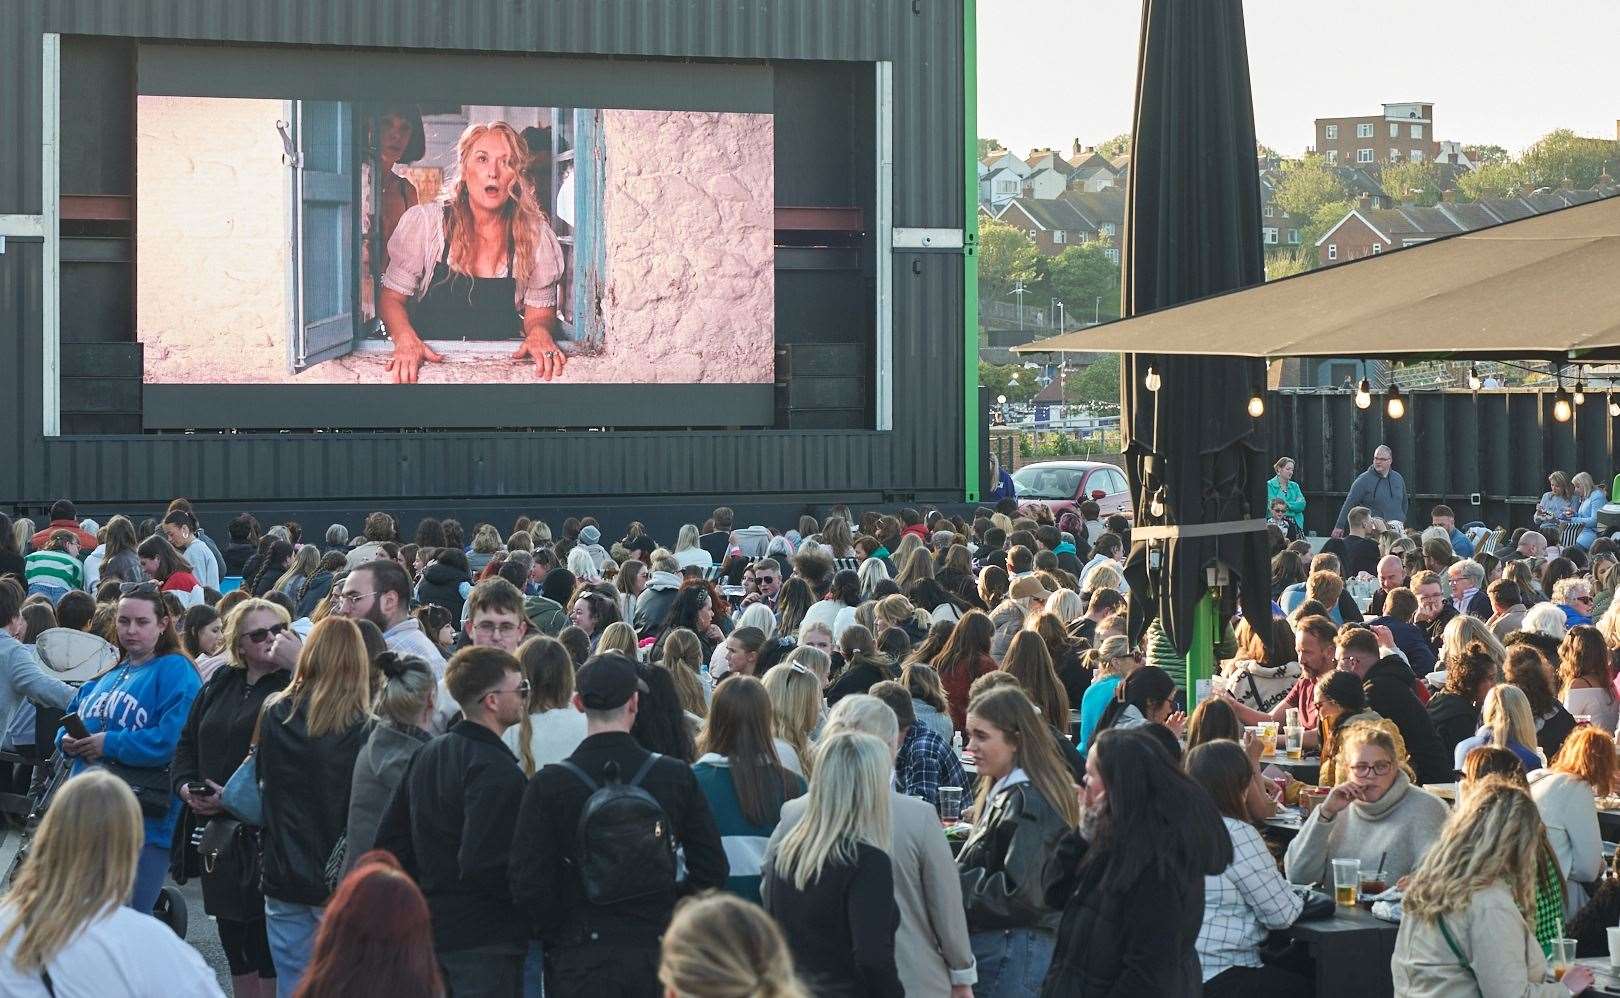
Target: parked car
1063 485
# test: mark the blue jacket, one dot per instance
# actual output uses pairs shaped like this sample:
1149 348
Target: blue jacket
1460 544
1004 488
142 710
1586 516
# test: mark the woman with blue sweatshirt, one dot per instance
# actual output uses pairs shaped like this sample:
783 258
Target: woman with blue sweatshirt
134 715
1590 499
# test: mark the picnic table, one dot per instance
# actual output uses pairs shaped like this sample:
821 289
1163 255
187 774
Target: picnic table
1305 770
1606 975
1352 950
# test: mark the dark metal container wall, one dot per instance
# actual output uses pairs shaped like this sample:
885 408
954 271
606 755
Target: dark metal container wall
1453 447
921 457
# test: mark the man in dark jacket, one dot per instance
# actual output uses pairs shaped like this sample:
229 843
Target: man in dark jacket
718 540
1388 683
450 824
1380 488
1399 610
1433 612
608 950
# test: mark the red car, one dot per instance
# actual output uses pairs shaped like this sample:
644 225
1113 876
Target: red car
1063 485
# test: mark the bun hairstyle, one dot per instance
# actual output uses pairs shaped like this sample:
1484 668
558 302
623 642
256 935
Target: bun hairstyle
407 688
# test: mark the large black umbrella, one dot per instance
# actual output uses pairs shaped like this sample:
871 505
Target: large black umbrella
1192 228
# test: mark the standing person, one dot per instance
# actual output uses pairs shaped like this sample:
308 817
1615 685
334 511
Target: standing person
1115 663
216 739
376 938
1129 878
1283 488
309 737
64 927
134 714
404 708
795 694
1025 804
160 561
63 517
180 527
1380 488
721 946
451 825
55 569
601 933
118 559
22 676
1029 662
1376 815
830 884
380 591
966 657
1565 794
551 728
1468 910
12 561
742 778
1250 898
924 761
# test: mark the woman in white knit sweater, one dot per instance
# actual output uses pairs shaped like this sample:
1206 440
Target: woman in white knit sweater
1565 794
1466 927
1376 816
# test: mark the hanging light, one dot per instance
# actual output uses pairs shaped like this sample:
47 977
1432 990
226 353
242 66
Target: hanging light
1152 382
1257 405
1156 507
1562 410
1364 394
1395 403
1614 407
1580 393
1475 382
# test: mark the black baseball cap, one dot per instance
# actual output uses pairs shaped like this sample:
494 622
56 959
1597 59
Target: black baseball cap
606 681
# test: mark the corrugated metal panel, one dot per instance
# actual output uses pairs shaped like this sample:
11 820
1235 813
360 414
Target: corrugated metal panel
922 457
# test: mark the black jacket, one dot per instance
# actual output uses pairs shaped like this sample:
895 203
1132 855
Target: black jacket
450 824
1435 630
715 542
305 783
313 589
1552 728
858 678
1076 678
1455 718
1000 864
1388 685
215 740
1361 554
441 585
546 884
1121 943
841 926
235 558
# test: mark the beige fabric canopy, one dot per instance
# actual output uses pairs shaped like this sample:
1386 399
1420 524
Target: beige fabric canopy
1547 286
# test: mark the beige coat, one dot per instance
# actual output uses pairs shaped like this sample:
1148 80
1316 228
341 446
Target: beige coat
931 948
1496 939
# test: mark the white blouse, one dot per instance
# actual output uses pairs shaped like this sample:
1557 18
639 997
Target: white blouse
418 241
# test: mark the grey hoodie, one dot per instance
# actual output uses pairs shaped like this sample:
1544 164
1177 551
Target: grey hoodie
1384 495
378 771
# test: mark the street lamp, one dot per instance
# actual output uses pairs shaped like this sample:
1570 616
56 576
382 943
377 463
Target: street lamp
1019 290
1096 312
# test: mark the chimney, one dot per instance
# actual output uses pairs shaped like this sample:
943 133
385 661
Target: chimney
1365 202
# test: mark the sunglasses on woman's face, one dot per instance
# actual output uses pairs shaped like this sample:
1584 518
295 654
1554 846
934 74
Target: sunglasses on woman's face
259 635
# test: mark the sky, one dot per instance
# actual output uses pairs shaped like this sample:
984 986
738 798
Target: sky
1498 72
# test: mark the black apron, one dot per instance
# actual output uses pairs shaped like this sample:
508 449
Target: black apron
459 307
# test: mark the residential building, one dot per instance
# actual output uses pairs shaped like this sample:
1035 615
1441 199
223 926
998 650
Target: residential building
1371 231
1045 184
1053 224
1001 159
1404 131
1047 159
1104 212
1278 229
1000 186
1092 171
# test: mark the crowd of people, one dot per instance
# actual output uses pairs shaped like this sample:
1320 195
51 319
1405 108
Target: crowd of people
880 754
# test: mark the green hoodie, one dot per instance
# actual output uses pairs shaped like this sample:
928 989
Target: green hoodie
545 615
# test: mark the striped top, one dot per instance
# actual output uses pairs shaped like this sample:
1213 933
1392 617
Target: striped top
56 569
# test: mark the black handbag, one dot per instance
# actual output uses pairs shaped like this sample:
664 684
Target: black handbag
150 784
230 851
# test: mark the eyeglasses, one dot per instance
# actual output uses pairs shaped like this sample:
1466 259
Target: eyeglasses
1372 768
1580 599
259 635
348 599
489 628
137 588
522 689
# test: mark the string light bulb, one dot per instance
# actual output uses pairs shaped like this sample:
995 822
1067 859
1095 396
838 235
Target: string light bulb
1152 382
1475 382
1614 407
1395 403
1562 410
1580 393
1364 394
1156 507
1257 405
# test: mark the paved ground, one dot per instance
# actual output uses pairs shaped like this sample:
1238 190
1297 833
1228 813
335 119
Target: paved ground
199 931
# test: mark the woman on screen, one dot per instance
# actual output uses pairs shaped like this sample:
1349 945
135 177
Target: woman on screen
481 265
397 137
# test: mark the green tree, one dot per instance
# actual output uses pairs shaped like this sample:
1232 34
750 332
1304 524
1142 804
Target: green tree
1097 387
1413 182
1079 276
1006 256
1308 184
1562 156
1486 154
1491 180
1015 382
1119 145
986 145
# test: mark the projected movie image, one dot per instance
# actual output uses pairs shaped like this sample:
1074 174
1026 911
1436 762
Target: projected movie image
331 242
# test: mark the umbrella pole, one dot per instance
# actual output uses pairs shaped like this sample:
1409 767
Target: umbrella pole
1201 652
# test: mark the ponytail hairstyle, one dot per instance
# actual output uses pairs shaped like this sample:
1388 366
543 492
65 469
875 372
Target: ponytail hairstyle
1142 689
549 670
720 946
407 690
683 657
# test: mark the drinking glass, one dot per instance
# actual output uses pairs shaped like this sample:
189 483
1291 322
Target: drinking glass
1563 957
1291 717
1295 742
1614 946
950 805
1346 881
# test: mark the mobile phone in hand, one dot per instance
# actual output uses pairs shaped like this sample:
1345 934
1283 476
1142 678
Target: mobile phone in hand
75 726
200 788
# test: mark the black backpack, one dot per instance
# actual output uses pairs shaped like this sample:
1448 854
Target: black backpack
624 847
